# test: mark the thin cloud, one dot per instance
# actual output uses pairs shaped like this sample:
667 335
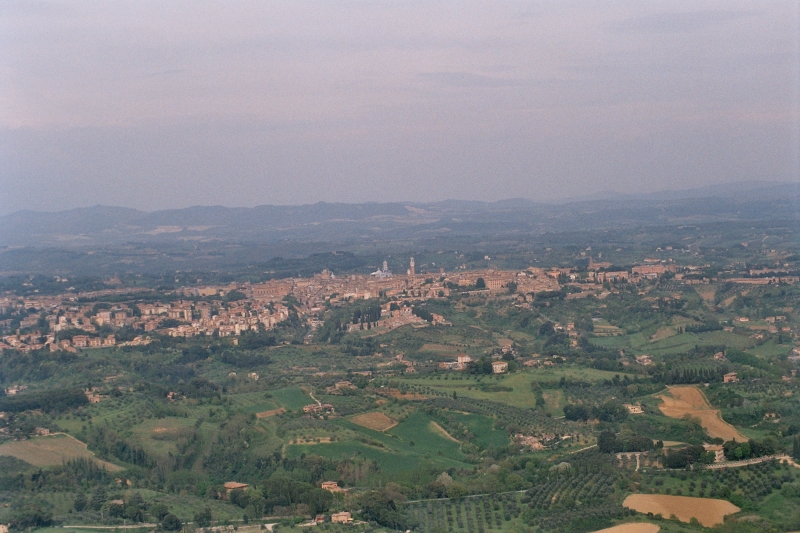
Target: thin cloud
467 79
676 22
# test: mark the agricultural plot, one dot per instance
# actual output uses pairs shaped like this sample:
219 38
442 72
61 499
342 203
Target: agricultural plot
401 448
427 437
387 459
288 399
52 450
439 430
160 436
483 429
271 412
684 400
375 421
512 389
444 349
709 512
770 349
746 486
666 340
632 527
593 487
473 514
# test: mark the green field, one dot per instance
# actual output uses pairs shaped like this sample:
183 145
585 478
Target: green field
675 344
482 427
521 394
407 445
160 436
290 398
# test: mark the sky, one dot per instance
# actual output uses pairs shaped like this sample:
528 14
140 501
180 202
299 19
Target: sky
168 104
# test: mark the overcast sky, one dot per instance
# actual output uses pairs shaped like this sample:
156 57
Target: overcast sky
160 104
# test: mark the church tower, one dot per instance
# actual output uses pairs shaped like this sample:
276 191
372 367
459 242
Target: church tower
411 270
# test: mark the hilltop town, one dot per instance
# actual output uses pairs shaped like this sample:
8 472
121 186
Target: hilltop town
80 320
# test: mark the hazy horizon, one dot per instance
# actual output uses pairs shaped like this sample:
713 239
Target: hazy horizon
163 106
707 191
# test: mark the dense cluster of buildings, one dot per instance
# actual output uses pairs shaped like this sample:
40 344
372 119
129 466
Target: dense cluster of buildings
62 322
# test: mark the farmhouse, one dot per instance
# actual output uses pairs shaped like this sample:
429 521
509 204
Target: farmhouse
341 518
633 409
233 485
730 377
499 367
332 486
719 452
316 408
526 440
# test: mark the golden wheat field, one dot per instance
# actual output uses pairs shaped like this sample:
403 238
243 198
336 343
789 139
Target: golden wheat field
687 400
709 512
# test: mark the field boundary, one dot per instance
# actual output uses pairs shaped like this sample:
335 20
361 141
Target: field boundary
439 430
271 412
111 467
783 458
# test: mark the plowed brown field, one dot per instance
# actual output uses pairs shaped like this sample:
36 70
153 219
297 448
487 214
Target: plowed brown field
271 412
709 512
686 400
633 527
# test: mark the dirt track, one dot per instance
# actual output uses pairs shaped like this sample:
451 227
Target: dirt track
687 400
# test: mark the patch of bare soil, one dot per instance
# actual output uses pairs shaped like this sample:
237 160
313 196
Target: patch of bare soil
686 400
708 511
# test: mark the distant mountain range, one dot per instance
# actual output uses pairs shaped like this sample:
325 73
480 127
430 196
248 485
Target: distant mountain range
338 222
